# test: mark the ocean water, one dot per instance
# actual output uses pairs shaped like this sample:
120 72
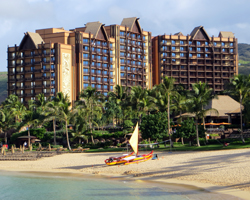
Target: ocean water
44 186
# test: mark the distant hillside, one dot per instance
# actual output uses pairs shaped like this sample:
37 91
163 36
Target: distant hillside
244 58
3 86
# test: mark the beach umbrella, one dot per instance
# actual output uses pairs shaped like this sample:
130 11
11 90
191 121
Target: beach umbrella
212 124
225 123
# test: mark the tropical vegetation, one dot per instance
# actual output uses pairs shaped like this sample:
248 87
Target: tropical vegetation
94 120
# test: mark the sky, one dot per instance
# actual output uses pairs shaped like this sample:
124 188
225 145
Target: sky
157 16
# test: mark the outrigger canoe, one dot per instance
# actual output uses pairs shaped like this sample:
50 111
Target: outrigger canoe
130 158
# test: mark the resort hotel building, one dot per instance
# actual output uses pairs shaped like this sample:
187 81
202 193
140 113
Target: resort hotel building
103 56
195 57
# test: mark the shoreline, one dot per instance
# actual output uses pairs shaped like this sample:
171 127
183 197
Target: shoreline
175 183
224 172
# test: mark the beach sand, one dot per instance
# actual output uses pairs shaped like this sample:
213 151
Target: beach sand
224 171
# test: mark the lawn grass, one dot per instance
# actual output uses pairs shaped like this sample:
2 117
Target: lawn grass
180 147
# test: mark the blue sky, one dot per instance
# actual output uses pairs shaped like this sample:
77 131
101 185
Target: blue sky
158 16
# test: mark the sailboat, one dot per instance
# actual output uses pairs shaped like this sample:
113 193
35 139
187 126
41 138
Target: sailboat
133 157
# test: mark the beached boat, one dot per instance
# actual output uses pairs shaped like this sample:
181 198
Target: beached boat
133 157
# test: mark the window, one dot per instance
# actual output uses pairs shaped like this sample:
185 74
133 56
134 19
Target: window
182 67
52 82
44 52
44 74
93 56
105 73
99 87
32 60
53 74
32 68
198 49
207 49
181 42
223 50
231 44
182 54
190 55
206 55
98 50
173 48
122 33
98 43
190 42
223 44
92 78
122 75
85 40
93 64
105 87
93 85
122 40
182 48
86 63
111 87
105 79
92 71
190 49
85 85
86 78
53 67
198 55
52 90
105 58
198 43
86 71
173 41
206 43
98 64
215 43
173 60
122 68
105 65
173 54
85 48
231 50
122 61
85 55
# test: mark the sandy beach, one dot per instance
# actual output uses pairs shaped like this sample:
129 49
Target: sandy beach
217 171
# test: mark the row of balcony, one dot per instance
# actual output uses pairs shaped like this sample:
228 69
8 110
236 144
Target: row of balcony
31 78
97 81
13 87
34 94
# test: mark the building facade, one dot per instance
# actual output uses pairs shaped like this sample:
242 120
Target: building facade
195 57
54 60
133 53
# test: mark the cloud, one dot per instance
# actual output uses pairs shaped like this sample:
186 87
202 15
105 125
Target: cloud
159 17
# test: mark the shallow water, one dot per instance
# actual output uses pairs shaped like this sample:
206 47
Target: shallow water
40 186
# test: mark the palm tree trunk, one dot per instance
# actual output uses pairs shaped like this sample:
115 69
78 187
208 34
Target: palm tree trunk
169 120
182 141
241 128
67 135
197 133
54 127
203 120
28 136
5 137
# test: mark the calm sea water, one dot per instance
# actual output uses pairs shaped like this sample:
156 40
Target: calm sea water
42 186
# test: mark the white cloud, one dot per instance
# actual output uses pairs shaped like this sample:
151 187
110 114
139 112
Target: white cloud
159 17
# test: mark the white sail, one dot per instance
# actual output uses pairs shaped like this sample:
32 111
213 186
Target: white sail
134 139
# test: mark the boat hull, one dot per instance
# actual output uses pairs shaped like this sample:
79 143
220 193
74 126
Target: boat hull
129 159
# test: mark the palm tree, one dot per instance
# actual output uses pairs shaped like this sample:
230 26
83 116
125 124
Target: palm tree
167 87
120 96
240 87
29 119
63 112
138 98
90 101
50 113
6 122
180 105
198 98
